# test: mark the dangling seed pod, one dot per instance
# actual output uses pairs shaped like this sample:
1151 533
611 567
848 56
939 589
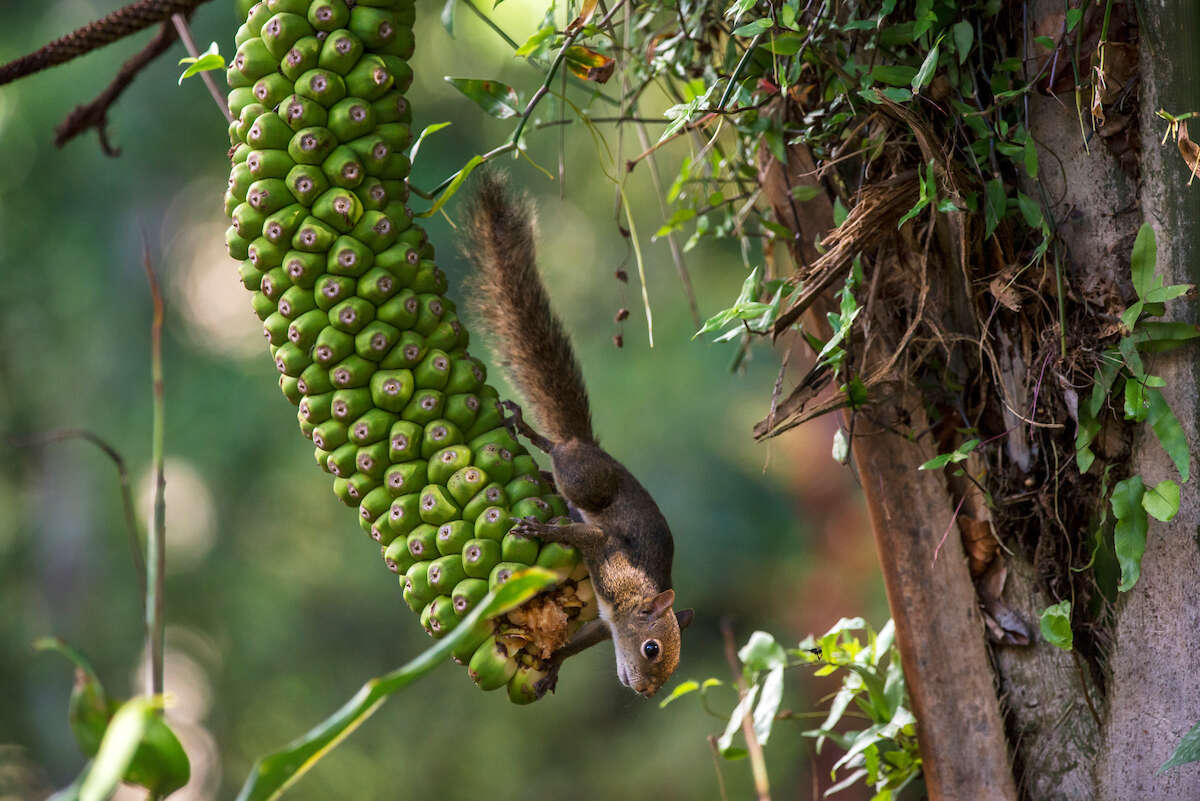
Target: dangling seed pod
368 347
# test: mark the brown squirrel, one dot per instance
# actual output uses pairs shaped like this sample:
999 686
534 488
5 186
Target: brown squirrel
623 537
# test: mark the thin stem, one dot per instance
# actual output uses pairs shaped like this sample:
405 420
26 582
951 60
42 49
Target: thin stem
491 24
681 269
185 36
135 547
758 764
156 541
437 190
558 60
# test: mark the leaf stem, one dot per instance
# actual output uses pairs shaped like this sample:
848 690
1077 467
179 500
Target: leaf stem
156 541
185 36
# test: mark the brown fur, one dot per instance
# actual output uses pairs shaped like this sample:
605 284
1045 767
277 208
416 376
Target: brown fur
508 296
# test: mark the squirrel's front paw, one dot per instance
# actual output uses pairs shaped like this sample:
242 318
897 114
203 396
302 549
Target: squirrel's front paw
528 527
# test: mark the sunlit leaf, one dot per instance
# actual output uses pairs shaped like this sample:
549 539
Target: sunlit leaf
753 28
274 773
210 59
1162 500
955 456
429 129
448 16
498 99
585 16
681 689
762 652
534 42
120 743
769 699
1056 625
725 741
588 65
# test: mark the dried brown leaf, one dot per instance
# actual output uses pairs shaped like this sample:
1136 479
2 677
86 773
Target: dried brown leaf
1189 150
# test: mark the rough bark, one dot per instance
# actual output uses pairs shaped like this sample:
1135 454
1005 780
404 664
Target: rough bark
1154 693
938 627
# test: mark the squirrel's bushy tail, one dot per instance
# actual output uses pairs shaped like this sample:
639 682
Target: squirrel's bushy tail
507 295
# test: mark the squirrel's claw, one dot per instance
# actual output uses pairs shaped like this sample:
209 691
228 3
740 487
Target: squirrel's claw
516 425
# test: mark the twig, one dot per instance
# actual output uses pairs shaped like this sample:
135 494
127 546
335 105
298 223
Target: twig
946 533
185 35
491 24
685 277
491 154
95 113
758 765
558 60
104 31
156 557
716 755
64 434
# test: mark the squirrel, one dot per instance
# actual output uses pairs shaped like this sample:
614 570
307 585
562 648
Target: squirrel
622 536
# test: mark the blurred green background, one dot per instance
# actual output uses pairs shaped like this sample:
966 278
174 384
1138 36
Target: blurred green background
278 606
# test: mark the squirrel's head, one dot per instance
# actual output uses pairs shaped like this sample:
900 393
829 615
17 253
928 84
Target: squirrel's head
647 644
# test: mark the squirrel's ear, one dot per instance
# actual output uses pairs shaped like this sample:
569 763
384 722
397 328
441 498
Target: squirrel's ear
684 616
659 603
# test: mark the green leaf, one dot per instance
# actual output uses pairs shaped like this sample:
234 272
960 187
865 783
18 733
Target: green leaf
753 28
210 59
1162 500
455 184
429 129
1129 534
995 205
768 704
1170 433
1158 337
1031 157
681 689
448 17
894 75
676 221
786 44
498 99
534 43
955 456
725 741
1056 625
925 73
1030 210
1145 254
1187 751
964 37
1073 17
120 743
1046 42
762 652
840 212
1136 407
803 193
274 773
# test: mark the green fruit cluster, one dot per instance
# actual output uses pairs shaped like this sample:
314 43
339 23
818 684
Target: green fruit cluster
365 341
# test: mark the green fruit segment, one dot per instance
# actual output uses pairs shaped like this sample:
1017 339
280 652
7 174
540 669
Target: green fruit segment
365 342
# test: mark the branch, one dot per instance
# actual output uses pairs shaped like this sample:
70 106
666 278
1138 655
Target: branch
117 25
156 556
558 60
95 113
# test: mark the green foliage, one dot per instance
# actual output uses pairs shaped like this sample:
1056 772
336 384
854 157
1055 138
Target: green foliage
955 456
210 59
1142 402
1187 751
884 754
1056 625
274 773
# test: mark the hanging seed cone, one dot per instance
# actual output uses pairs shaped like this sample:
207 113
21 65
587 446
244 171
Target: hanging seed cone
368 347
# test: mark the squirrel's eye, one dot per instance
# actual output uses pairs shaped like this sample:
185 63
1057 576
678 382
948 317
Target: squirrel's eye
650 649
